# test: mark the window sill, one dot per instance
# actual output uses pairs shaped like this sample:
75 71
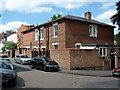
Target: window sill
55 37
36 40
92 36
42 39
103 56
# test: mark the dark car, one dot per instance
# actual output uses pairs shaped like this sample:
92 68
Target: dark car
44 64
7 74
4 59
116 73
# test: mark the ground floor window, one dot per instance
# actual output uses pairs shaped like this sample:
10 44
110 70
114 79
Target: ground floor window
55 45
102 51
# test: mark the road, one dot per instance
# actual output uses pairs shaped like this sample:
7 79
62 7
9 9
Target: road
31 78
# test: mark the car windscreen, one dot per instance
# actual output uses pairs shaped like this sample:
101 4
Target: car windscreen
24 56
46 60
5 65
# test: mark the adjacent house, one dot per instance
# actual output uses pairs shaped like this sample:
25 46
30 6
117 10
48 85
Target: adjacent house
5 39
12 38
20 37
74 42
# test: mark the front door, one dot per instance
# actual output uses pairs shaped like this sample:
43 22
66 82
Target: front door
112 64
112 55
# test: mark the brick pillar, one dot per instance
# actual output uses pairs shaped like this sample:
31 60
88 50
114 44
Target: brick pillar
116 61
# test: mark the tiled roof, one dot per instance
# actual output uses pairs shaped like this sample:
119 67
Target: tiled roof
72 18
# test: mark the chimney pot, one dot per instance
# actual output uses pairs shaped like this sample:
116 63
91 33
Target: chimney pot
87 15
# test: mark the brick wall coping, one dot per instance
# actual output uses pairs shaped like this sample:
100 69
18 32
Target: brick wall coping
73 49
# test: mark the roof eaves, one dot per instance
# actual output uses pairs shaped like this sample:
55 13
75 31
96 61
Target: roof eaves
31 29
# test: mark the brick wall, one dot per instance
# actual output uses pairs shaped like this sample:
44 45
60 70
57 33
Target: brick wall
62 57
76 58
85 58
78 32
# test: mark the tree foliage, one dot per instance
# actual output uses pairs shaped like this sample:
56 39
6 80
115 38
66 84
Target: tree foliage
55 17
10 46
116 18
117 38
9 31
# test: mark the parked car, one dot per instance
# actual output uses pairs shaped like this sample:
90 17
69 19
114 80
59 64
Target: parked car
44 64
3 56
22 59
116 72
7 73
4 59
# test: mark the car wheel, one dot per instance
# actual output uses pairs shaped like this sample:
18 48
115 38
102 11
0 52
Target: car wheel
31 65
44 68
14 83
21 62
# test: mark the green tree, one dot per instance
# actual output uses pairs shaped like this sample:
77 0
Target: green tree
10 46
116 18
59 15
55 17
117 38
9 31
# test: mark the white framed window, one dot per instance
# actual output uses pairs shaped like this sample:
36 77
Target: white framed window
55 29
55 45
36 34
41 33
78 45
103 51
93 30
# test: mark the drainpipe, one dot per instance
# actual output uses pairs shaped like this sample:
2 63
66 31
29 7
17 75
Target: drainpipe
47 46
39 46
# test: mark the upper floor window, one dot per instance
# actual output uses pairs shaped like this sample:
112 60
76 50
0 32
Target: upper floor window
102 51
55 29
36 34
42 33
93 30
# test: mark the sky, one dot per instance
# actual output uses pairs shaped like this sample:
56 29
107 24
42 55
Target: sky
29 12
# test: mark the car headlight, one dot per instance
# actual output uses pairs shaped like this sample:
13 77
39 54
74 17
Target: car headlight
49 65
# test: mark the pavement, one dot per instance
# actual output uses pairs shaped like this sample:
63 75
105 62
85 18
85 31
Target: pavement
99 73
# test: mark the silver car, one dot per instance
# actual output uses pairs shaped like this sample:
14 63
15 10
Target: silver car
22 59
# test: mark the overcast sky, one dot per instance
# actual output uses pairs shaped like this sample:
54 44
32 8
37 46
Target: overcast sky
17 12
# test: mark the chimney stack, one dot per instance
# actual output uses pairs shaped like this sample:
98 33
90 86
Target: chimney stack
87 15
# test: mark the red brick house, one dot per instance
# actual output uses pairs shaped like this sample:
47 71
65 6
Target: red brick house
20 37
73 42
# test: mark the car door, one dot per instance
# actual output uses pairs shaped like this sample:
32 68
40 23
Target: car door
39 64
17 58
34 62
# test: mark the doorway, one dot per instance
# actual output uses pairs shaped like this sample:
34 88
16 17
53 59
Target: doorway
112 55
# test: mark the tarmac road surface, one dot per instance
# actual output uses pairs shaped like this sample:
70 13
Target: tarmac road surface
32 78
